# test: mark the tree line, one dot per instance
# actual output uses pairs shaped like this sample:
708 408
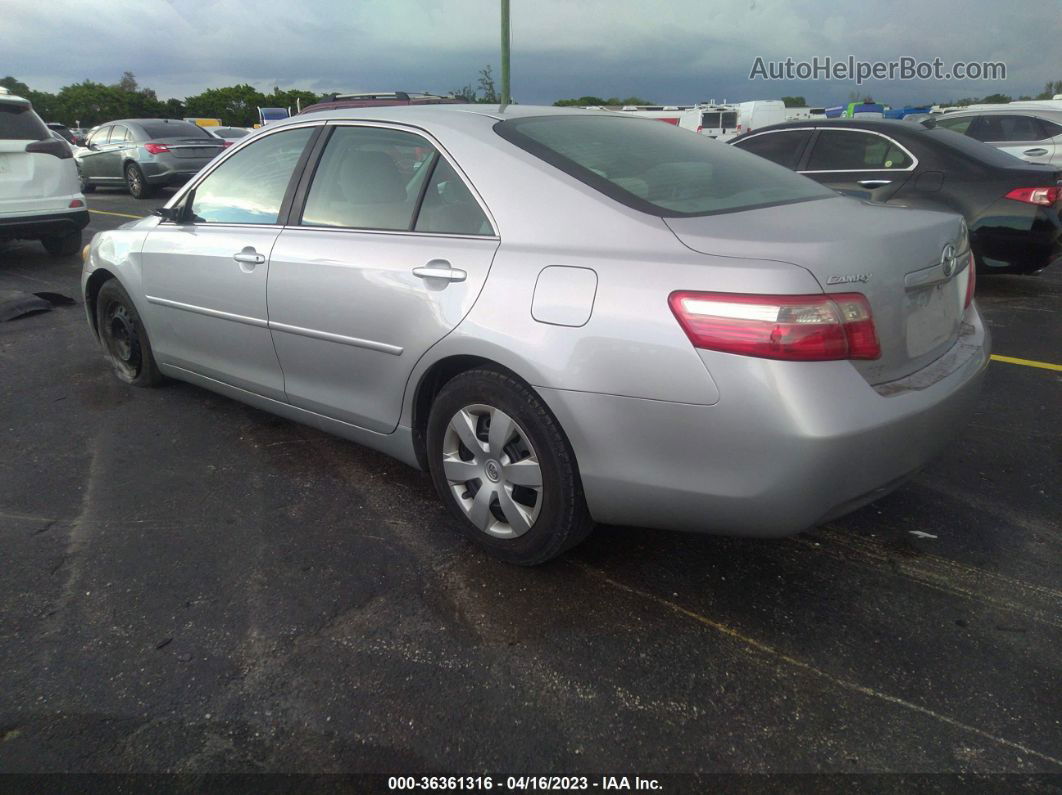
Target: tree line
89 103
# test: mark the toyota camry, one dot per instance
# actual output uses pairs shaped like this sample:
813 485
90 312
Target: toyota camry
564 316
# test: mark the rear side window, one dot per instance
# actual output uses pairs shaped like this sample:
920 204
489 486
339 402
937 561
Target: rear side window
20 123
1050 128
369 178
657 168
783 148
172 129
249 187
855 150
449 206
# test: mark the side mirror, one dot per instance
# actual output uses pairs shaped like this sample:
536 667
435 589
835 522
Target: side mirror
171 214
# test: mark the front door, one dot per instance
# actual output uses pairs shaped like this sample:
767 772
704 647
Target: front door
391 252
205 276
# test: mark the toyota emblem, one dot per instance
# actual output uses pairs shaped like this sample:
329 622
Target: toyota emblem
947 260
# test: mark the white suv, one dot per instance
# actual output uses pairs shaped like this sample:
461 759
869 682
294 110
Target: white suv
40 193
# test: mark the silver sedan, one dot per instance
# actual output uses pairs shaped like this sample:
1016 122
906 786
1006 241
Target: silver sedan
564 316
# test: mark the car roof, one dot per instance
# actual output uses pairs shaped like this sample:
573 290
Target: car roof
897 126
1051 113
412 114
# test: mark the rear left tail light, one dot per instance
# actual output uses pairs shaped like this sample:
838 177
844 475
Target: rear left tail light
156 149
226 144
1044 197
971 281
802 328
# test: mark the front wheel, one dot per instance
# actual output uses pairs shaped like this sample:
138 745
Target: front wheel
137 184
502 465
123 337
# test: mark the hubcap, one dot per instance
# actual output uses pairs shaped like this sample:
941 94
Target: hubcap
492 470
121 341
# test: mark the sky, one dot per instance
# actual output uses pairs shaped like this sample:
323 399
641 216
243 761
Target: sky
670 51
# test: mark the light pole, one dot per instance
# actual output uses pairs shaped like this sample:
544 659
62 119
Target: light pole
505 52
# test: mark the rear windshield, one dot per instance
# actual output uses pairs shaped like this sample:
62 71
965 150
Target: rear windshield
658 168
173 129
20 123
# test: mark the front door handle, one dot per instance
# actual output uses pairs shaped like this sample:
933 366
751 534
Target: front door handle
440 269
874 183
1035 152
249 256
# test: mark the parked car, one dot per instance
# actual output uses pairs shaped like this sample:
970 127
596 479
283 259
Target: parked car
1013 209
39 194
562 315
1033 135
144 154
228 135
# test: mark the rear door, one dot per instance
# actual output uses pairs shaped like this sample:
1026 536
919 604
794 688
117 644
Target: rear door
205 278
391 252
1019 135
110 156
860 163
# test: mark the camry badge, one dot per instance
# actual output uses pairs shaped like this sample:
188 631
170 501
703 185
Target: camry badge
849 277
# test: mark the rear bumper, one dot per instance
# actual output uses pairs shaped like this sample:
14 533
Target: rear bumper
787 446
1026 241
34 227
172 172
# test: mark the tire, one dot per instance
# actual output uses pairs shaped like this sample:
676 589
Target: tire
537 523
122 335
136 183
63 245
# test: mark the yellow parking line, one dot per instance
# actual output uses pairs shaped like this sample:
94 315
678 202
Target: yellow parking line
1027 362
120 215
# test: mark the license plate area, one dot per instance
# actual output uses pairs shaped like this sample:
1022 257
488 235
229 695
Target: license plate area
933 317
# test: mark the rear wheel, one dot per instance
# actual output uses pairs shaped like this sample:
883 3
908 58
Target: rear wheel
123 337
137 184
63 245
502 465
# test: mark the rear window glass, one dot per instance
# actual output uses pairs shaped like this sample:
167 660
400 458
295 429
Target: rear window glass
657 168
20 123
173 129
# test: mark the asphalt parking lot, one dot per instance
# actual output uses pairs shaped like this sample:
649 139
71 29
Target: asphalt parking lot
193 585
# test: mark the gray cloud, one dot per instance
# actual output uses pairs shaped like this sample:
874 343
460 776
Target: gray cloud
677 51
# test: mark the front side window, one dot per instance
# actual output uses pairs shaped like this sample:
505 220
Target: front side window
99 137
1011 128
854 150
783 148
960 125
249 187
657 168
369 178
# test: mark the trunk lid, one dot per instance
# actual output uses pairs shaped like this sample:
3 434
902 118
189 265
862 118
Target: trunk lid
192 147
892 255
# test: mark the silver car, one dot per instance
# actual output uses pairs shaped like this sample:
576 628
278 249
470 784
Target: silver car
144 154
564 316
1030 133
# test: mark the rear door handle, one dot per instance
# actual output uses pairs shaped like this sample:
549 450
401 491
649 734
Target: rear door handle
440 269
250 256
1035 152
874 183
